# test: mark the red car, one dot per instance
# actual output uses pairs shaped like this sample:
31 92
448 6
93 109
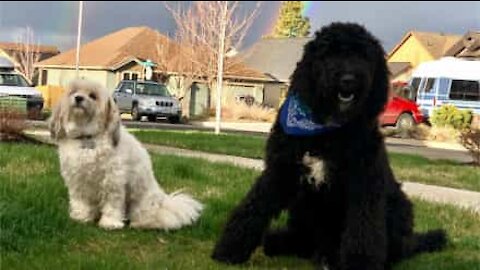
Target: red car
401 112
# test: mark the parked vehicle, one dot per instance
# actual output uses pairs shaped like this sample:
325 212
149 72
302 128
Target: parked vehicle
15 85
147 98
447 81
401 113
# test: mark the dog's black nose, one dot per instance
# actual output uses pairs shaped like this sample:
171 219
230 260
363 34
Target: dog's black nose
347 80
78 99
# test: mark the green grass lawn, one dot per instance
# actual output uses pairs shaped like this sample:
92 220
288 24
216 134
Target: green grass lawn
229 144
36 233
406 167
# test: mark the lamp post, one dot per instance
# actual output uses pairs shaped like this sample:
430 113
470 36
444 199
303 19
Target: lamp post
79 34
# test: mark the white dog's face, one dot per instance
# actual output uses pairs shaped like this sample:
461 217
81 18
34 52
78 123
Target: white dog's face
84 101
86 109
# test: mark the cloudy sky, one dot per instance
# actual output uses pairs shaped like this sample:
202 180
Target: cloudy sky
55 23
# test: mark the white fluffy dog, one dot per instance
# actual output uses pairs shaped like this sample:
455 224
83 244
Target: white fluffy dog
107 171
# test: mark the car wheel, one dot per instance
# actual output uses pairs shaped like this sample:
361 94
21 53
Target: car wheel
152 118
135 114
174 119
405 122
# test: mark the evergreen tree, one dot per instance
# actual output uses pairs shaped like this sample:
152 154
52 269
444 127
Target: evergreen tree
291 22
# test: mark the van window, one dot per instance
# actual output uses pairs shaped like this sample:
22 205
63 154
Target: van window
428 88
465 90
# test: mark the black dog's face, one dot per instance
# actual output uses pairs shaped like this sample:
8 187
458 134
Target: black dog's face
344 84
342 75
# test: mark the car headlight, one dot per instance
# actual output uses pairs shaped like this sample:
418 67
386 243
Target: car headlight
146 103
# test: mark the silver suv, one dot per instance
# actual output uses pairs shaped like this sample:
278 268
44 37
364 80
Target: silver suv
147 98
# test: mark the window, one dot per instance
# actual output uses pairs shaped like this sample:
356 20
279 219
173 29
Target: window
44 77
465 90
129 75
415 84
12 79
125 86
428 88
152 89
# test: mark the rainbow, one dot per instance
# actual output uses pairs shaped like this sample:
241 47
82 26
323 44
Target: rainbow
307 6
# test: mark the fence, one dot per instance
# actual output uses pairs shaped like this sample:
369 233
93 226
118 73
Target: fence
51 95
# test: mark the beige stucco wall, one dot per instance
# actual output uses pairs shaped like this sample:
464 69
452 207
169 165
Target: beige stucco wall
411 51
62 77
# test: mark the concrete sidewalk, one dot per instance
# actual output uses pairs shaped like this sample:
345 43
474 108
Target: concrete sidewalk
462 198
260 127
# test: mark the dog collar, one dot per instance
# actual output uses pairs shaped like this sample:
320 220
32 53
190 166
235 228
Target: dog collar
84 137
296 119
87 141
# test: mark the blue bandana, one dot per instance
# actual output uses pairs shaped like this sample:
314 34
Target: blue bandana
296 119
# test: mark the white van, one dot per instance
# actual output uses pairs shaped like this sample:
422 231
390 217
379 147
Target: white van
14 84
447 81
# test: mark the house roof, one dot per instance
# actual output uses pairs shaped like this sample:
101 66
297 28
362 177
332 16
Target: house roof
12 46
467 47
111 50
398 67
435 43
276 57
114 50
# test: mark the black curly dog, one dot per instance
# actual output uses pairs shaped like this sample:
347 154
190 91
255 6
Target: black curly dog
347 211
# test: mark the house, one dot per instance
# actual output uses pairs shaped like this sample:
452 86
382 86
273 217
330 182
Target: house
415 48
12 51
124 55
467 47
277 58
107 60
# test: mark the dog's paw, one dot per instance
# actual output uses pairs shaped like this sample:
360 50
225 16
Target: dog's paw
82 216
224 256
109 223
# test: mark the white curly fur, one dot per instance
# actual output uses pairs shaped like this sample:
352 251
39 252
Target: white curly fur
108 173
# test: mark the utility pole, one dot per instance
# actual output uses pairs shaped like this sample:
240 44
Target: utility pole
221 55
79 34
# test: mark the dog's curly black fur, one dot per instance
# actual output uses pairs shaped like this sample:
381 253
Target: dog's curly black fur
359 218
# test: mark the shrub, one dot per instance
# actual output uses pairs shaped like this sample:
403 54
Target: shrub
256 112
449 115
239 110
470 139
12 125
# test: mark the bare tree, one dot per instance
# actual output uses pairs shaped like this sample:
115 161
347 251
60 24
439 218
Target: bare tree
27 52
198 34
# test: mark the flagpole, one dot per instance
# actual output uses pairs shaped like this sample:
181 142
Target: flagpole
79 34
221 55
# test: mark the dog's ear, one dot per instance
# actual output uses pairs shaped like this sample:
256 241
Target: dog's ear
58 119
378 95
112 121
302 78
